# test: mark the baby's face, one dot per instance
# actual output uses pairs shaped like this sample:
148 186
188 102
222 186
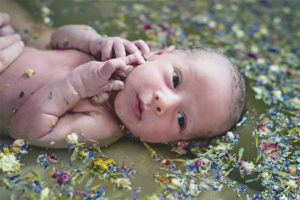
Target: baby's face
176 96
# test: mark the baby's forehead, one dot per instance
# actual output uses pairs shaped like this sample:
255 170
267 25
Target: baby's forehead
199 58
196 52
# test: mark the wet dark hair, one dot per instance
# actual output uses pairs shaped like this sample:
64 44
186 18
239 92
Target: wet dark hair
238 106
242 102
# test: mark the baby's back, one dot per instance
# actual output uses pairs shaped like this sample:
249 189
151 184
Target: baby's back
16 86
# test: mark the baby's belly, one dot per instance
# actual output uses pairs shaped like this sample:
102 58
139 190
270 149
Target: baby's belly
48 66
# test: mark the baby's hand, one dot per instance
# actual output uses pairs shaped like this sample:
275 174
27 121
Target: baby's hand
96 78
110 47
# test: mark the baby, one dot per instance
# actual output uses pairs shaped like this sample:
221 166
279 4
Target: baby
174 95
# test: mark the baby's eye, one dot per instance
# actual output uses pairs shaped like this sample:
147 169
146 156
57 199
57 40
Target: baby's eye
176 79
181 120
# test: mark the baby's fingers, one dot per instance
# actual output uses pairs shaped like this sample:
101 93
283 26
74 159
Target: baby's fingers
106 52
121 63
113 85
119 49
8 40
9 54
110 67
131 48
144 48
136 58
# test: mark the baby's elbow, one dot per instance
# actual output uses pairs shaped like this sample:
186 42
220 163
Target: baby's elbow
28 129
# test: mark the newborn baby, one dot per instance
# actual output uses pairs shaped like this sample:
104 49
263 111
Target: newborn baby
174 95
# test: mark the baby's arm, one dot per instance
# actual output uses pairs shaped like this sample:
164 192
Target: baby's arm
85 38
44 116
74 37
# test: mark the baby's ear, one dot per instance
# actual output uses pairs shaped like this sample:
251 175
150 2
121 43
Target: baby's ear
152 55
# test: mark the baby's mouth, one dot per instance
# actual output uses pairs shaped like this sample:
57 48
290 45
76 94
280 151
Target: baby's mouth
137 107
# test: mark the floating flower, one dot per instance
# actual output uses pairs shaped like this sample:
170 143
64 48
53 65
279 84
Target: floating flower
291 184
95 100
61 177
72 139
292 169
18 143
147 26
83 154
123 183
166 28
30 72
229 135
9 163
45 160
5 149
45 194
52 158
262 128
102 163
247 167
180 147
269 146
241 189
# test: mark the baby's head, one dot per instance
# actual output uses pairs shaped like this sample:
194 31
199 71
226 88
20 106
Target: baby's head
180 95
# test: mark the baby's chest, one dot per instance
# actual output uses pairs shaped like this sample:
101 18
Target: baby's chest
30 72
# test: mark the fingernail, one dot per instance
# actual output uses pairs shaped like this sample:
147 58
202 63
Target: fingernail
121 87
146 56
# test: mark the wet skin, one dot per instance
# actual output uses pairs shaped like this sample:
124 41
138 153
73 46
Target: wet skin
55 101
176 96
48 66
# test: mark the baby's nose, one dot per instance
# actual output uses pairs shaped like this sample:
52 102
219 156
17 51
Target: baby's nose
163 102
